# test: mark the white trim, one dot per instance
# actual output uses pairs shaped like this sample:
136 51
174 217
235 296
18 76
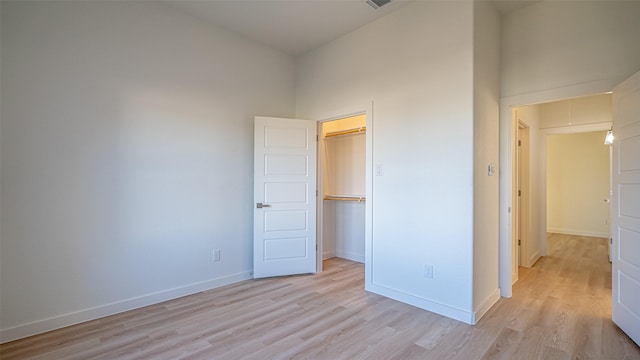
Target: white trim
368 217
532 259
320 252
56 322
578 232
327 254
426 304
350 256
485 305
505 275
562 93
576 129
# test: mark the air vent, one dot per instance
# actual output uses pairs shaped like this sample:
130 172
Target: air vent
376 4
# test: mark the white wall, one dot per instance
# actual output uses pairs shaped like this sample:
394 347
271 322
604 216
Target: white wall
558 50
416 66
577 183
554 44
127 140
486 81
350 226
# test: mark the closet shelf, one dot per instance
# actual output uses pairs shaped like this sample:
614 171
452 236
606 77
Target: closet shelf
357 130
345 198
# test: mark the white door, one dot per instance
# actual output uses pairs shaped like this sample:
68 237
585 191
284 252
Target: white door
523 195
284 227
625 209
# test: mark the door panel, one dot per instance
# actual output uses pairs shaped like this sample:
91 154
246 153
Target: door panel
286 192
284 231
285 165
282 249
626 208
285 220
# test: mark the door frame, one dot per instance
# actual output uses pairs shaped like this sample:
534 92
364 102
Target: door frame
522 208
367 110
507 159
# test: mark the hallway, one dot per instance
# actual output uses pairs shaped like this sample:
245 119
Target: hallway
565 303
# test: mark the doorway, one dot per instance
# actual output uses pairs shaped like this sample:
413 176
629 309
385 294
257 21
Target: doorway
295 178
342 188
532 125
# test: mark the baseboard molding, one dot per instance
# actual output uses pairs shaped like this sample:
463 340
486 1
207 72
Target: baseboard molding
578 232
328 255
56 322
350 256
533 258
485 305
422 303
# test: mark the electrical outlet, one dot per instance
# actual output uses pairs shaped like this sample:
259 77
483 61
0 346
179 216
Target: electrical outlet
216 255
428 271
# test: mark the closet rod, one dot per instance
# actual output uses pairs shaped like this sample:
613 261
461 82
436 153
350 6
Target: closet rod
347 131
345 198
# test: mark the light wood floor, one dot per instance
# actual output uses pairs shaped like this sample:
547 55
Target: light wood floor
560 310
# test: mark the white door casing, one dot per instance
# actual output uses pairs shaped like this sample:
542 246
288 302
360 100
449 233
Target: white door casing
625 208
284 231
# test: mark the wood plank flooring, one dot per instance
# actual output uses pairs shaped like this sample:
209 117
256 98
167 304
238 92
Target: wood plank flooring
560 309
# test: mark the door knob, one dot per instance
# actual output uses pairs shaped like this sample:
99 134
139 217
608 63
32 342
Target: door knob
261 205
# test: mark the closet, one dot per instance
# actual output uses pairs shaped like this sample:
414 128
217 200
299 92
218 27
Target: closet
342 147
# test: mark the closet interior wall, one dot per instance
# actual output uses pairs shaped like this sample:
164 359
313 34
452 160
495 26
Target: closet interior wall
343 177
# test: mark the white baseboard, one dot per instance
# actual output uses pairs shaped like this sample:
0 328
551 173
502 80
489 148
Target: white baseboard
485 305
578 232
426 304
56 322
533 258
350 256
328 255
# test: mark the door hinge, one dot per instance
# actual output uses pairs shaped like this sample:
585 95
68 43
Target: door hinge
317 138
316 192
519 143
519 242
518 192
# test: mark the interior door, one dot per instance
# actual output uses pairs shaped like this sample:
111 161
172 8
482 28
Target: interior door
518 217
523 195
625 209
284 230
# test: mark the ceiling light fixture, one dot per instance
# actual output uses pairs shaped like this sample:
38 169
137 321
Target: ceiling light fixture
608 140
376 4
